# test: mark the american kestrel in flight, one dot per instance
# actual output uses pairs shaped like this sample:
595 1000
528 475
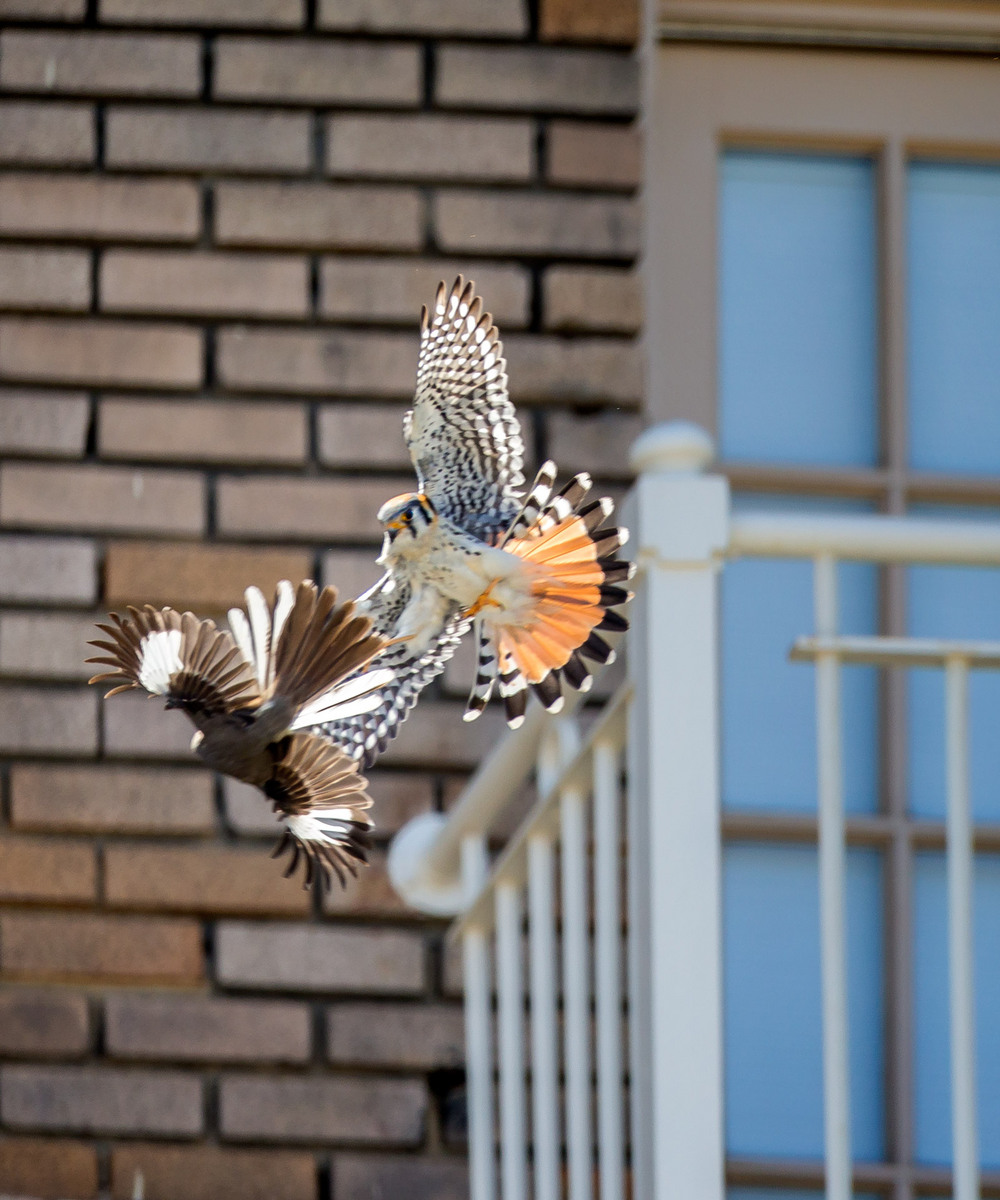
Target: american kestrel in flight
253 694
538 574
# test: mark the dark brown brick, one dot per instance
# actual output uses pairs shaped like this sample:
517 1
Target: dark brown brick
362 435
605 299
206 1029
369 894
211 431
540 223
43 869
266 13
98 1100
33 131
42 1024
338 361
37 645
115 499
77 947
435 735
350 571
502 18
99 64
577 371
589 21
56 721
45 279
208 139
67 350
137 725
211 1172
599 443
393 289
533 79
430 147
44 10
205 879
103 799
46 1168
310 958
399 796
48 570
313 71
365 1176
47 424
320 216
248 811
301 509
84 206
381 1111
413 1037
592 155
203 578
168 281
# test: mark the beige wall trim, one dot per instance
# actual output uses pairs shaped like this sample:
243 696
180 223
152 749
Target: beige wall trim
704 99
970 26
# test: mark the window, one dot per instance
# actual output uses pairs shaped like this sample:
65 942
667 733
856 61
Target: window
823 284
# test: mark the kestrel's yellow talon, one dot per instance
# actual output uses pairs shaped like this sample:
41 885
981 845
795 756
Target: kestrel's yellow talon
484 601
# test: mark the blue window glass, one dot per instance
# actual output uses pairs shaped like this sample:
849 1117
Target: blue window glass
797 309
954 314
768 703
953 602
931 1008
773 1041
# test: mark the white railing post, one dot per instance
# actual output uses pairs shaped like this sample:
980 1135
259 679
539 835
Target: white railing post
961 966
478 1040
832 892
675 977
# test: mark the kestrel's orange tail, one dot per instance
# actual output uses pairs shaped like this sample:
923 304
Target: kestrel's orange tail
576 587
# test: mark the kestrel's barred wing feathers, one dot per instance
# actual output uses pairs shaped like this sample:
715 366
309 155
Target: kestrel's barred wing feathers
322 797
413 667
189 661
462 433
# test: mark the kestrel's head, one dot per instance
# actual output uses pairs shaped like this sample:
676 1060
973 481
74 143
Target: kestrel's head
411 516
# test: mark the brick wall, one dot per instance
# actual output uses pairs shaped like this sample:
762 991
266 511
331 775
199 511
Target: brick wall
218 219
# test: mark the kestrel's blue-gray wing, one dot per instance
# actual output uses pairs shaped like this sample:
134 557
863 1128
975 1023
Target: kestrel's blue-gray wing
462 432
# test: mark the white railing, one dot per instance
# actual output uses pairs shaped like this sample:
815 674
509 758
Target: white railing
572 1120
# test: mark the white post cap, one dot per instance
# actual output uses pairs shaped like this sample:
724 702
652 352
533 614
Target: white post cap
677 446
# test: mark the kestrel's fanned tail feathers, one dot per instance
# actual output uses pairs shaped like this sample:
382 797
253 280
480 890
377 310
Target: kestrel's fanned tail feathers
575 590
175 655
322 797
304 648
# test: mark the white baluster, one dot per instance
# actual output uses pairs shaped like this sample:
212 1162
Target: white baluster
960 944
832 856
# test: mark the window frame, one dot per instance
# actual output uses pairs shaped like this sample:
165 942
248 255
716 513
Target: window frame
705 96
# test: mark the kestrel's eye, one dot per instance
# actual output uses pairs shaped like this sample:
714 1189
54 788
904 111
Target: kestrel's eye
407 515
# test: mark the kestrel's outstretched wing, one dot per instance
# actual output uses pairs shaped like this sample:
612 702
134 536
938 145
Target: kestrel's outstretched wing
188 661
428 628
322 797
462 433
